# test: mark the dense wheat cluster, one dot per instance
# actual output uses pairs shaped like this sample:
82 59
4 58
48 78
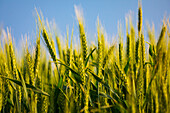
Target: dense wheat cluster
132 77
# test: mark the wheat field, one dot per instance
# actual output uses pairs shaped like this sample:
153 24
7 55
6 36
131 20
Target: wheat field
131 77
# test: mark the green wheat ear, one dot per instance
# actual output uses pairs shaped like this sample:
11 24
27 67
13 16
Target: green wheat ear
142 49
83 40
49 45
15 74
30 67
37 57
132 34
6 83
82 33
59 47
81 70
139 20
120 54
137 52
51 48
13 60
161 37
100 56
103 43
129 50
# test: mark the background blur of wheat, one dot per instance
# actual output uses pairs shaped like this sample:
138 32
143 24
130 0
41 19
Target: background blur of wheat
131 77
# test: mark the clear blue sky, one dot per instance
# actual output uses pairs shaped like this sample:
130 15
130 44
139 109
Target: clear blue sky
19 14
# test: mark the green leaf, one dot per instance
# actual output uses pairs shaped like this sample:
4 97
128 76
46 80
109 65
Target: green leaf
150 50
76 74
37 90
94 75
10 102
64 94
116 101
87 59
93 85
25 88
103 82
127 66
106 96
60 82
72 70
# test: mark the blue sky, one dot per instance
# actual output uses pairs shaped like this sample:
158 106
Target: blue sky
19 15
